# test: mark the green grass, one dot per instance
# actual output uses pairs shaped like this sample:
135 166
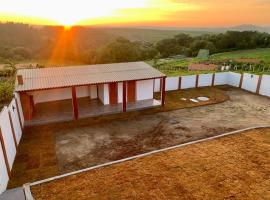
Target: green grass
261 54
165 66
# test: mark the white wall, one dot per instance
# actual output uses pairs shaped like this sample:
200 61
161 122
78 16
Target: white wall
205 80
234 79
250 82
82 91
93 91
265 86
103 92
172 83
144 89
3 172
15 120
58 94
188 82
17 96
120 92
221 78
157 85
51 95
7 136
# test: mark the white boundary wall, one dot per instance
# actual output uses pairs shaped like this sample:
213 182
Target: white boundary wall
172 83
234 79
221 78
265 85
250 82
205 80
7 134
188 82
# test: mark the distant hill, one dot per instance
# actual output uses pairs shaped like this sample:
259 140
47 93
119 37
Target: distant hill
149 34
203 30
154 34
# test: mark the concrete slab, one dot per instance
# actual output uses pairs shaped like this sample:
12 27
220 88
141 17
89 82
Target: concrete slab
13 194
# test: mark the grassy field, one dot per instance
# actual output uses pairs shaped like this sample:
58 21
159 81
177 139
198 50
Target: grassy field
167 66
261 54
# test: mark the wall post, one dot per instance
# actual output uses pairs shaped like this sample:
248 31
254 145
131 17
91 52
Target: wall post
74 103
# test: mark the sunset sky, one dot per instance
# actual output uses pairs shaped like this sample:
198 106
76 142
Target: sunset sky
182 13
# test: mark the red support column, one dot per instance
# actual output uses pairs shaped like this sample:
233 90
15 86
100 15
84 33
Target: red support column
124 96
74 103
163 91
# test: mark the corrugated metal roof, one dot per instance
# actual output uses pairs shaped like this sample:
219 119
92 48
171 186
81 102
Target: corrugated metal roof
47 78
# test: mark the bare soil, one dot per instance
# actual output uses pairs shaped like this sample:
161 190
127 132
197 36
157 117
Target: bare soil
47 151
230 167
101 143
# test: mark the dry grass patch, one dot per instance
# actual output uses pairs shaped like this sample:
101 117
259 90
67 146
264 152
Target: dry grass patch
231 167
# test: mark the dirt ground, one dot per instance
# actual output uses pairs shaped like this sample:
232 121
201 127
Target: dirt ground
49 151
92 145
230 167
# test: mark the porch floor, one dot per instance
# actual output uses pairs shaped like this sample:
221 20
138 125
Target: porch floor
59 111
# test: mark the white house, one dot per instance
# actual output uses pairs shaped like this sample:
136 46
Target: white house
52 94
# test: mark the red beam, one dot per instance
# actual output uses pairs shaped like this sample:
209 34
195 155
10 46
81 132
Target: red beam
5 153
163 91
74 103
124 96
12 130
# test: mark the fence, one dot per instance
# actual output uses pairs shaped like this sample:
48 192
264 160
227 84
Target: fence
11 125
259 84
12 120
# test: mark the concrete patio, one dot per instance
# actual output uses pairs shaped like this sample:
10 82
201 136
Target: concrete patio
60 111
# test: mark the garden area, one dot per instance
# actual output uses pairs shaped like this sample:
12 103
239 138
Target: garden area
256 61
7 81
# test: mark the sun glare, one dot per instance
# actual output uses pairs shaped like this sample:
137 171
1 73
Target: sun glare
68 13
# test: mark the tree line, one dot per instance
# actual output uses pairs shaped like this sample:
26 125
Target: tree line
21 42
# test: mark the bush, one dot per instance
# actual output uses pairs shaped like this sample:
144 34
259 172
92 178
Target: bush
6 91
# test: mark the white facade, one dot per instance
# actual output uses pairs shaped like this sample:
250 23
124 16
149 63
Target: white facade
93 91
120 92
103 93
144 89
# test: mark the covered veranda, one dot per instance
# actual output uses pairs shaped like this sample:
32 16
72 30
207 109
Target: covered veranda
84 107
52 95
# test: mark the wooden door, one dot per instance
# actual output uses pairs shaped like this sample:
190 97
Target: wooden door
131 91
113 88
